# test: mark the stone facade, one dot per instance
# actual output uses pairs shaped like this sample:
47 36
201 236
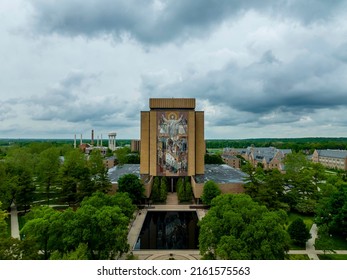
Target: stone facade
331 158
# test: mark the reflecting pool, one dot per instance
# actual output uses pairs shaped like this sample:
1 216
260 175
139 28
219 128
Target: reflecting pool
169 230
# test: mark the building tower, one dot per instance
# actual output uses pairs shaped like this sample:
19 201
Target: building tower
172 138
112 141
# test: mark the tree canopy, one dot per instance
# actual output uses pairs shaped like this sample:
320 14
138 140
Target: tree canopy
210 191
96 230
236 227
132 185
298 232
332 210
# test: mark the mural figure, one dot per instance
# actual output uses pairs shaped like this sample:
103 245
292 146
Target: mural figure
172 144
172 125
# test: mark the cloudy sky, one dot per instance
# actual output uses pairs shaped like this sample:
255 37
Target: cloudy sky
270 68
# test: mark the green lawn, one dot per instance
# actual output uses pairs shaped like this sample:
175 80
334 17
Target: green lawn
293 246
298 257
215 150
338 243
332 257
308 220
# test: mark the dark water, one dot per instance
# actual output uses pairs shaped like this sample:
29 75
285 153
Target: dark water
169 230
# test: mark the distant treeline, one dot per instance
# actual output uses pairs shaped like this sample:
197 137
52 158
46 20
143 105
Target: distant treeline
56 142
296 144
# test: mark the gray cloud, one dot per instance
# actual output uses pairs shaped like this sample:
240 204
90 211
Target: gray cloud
341 52
272 92
160 21
255 67
5 110
70 100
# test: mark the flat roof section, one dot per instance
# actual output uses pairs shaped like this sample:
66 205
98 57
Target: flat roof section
220 173
172 103
118 171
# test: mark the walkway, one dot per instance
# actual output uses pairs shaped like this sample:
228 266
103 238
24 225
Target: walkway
14 222
311 250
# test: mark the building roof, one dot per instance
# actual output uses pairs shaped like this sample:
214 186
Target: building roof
118 171
267 153
332 153
229 157
221 173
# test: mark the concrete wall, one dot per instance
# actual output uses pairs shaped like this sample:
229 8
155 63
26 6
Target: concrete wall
172 103
200 147
144 165
225 188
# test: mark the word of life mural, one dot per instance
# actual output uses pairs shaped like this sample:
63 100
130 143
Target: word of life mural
172 143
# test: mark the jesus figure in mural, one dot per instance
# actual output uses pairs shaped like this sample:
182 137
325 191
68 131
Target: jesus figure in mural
172 125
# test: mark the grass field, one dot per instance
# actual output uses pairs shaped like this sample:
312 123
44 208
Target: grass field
308 220
215 151
338 243
298 257
332 257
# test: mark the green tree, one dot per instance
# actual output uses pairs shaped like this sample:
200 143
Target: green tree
18 183
213 159
95 179
7 187
184 190
96 230
132 185
188 191
324 241
332 210
179 188
37 229
81 253
12 248
15 249
294 163
236 227
74 175
122 155
210 191
48 169
3 224
133 158
155 194
298 232
163 189
303 193
271 192
25 189
252 181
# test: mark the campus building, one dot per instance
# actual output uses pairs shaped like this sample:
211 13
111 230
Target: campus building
173 145
172 138
331 158
268 157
